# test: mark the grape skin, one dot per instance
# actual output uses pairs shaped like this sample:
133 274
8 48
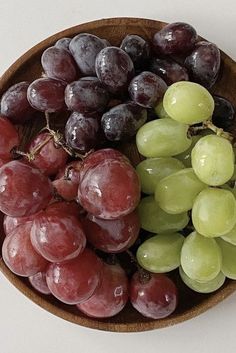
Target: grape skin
38 282
137 48
9 138
169 70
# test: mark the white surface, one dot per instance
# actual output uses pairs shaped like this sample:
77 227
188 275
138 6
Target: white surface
26 328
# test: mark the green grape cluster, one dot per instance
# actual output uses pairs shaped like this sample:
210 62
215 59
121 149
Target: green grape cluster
188 182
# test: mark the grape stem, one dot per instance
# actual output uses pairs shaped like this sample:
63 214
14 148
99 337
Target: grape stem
208 124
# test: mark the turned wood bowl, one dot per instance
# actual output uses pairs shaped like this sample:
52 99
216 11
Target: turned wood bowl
28 68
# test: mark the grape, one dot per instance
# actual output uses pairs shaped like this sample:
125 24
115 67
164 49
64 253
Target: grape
155 220
185 157
86 95
176 193
76 280
112 236
213 160
160 111
110 298
23 190
228 258
109 190
69 208
47 94
123 121
169 70
50 157
175 38
63 43
155 297
19 255
152 170
58 63
231 236
9 138
224 114
204 63
188 102
155 138
214 212
115 69
147 89
11 223
161 253
200 257
82 132
203 287
84 47
137 48
14 103
57 236
67 181
38 282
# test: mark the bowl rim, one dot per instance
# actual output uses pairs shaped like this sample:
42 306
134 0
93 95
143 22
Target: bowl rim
208 303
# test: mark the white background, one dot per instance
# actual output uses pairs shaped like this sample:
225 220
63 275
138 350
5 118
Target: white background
26 328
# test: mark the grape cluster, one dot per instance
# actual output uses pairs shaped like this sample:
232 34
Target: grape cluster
72 202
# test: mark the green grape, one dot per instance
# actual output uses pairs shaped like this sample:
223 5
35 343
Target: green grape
214 212
161 253
177 192
155 220
162 138
228 258
213 160
231 236
200 257
185 156
160 111
203 287
188 102
152 170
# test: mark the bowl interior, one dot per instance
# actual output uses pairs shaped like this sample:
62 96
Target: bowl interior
28 68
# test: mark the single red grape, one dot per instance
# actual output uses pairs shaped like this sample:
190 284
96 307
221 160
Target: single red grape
169 70
63 43
38 282
224 114
9 138
137 48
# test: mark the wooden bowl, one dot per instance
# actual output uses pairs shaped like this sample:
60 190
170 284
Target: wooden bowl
191 304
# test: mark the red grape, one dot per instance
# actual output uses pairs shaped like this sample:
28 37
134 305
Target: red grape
50 157
137 48
69 208
19 255
58 63
110 190
224 114
63 43
76 280
147 89
155 297
11 223
47 94
15 105
114 69
57 236
9 138
169 70
112 236
24 190
38 281
110 298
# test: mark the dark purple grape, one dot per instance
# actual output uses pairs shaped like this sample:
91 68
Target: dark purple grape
82 132
175 38
204 63
122 122
84 47
137 48
63 43
86 95
169 70
58 63
47 94
15 105
114 69
147 89
224 114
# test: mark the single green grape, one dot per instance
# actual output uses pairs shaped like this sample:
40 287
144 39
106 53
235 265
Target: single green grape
162 138
201 257
214 212
231 236
161 253
152 170
160 111
228 258
155 220
213 160
177 192
203 287
188 102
